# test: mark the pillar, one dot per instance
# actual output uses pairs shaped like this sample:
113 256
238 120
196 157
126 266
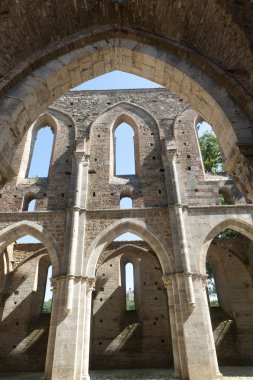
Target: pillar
198 335
176 328
90 284
193 343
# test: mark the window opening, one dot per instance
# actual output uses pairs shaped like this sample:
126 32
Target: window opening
225 196
42 151
211 287
128 236
129 283
27 239
126 202
47 304
210 149
31 205
124 150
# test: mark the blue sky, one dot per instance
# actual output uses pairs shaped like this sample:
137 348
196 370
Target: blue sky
41 158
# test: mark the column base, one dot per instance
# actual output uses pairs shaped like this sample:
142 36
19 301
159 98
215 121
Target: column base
86 377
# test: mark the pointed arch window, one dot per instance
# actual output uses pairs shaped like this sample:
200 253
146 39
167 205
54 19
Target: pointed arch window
129 286
124 152
47 304
41 153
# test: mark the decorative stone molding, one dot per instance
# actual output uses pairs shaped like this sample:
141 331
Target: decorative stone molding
91 281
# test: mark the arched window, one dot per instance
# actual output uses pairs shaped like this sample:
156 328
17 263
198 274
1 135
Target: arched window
41 153
124 155
209 148
47 304
129 287
126 202
29 203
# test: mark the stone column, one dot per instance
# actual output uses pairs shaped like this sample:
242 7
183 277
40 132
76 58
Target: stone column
176 327
90 284
53 327
80 191
195 354
177 219
199 340
67 362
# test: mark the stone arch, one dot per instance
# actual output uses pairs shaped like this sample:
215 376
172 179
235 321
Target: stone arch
227 194
129 110
130 114
118 228
164 65
236 224
19 229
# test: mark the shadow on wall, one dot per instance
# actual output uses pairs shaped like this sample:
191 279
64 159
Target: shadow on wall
24 330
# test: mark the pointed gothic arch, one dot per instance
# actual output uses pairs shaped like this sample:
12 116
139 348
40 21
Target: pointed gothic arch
19 229
118 228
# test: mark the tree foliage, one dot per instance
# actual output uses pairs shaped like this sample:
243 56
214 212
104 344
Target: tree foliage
47 306
211 287
210 151
228 233
130 305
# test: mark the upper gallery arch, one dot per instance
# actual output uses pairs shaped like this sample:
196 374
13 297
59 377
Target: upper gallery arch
190 75
135 227
19 229
162 65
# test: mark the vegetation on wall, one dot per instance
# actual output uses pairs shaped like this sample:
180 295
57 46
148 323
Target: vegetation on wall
130 305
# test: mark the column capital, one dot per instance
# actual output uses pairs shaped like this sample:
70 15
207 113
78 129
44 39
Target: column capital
90 281
167 280
80 156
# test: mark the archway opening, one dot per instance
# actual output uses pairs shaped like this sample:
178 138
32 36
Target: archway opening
130 327
24 325
230 294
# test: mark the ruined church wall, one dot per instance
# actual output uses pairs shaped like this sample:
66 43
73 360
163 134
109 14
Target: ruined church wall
137 338
24 329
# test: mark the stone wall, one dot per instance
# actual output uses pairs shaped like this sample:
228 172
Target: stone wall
24 329
138 338
77 218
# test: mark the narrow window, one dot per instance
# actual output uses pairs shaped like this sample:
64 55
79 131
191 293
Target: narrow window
126 202
211 287
129 281
41 156
47 304
124 150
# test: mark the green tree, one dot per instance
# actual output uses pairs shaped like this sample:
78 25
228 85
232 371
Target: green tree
210 151
47 306
211 287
